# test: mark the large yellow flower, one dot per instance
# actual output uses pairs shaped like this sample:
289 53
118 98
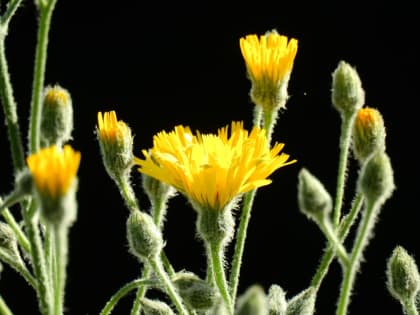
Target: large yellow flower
54 170
213 169
269 60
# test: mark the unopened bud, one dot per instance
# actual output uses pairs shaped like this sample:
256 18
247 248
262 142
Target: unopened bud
348 95
57 116
252 302
368 133
8 241
154 307
277 304
197 293
314 200
376 180
303 303
144 238
402 275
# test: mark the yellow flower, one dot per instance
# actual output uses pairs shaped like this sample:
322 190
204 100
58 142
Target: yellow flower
54 170
269 61
116 144
110 129
211 170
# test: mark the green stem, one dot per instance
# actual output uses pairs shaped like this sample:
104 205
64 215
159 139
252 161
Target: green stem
270 119
127 193
166 282
335 242
17 264
216 255
257 115
46 12
9 106
343 231
240 243
409 307
38 262
12 6
4 309
345 139
361 241
60 243
20 236
110 305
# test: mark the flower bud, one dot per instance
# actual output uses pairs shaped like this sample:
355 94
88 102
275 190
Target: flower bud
368 133
348 95
116 144
402 275
144 238
277 303
8 242
252 302
314 200
154 307
303 303
57 116
196 293
376 179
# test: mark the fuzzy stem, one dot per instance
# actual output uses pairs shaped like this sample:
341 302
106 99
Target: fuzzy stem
38 262
240 243
409 307
335 242
361 241
17 264
9 106
110 305
45 15
60 243
216 256
20 235
127 193
343 231
345 139
166 282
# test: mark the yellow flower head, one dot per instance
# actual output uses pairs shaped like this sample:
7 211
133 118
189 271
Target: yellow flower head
54 170
211 170
110 129
269 57
368 133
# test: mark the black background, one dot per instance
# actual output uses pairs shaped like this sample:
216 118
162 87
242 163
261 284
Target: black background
160 64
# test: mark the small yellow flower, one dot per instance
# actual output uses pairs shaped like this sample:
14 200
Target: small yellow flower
54 170
211 170
110 129
116 144
269 60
